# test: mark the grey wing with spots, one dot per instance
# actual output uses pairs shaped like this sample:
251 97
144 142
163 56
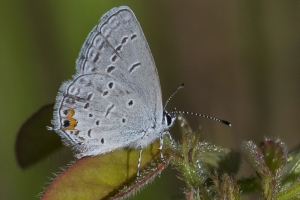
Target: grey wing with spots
118 47
96 114
115 95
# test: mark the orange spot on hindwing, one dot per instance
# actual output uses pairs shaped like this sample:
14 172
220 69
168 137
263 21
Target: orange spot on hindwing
68 122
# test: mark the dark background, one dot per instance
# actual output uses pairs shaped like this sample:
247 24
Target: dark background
240 61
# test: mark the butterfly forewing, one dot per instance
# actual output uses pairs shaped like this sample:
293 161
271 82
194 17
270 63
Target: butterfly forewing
117 46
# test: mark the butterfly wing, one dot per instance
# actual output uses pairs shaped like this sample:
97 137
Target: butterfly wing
117 46
115 95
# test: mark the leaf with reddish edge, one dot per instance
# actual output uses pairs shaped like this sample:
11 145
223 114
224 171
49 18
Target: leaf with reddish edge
256 158
34 142
110 175
149 173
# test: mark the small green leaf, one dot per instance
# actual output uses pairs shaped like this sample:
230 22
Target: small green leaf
256 158
34 142
291 192
275 154
225 187
194 159
292 169
230 162
110 175
248 185
271 154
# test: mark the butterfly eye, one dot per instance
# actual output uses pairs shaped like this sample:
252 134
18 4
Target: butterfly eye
167 118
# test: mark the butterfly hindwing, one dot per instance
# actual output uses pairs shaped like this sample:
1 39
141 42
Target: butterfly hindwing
96 114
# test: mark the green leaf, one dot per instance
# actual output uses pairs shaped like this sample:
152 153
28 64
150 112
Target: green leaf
226 187
249 185
34 142
291 192
110 175
275 154
230 162
292 169
269 161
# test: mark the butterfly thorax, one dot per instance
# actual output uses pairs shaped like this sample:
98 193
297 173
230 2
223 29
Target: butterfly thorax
154 132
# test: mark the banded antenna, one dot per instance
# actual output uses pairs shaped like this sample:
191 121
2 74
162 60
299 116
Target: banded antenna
181 86
192 113
201 115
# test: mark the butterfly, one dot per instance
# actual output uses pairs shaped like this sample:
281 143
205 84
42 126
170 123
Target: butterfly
114 100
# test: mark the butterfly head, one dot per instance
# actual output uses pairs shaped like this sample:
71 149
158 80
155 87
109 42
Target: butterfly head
168 118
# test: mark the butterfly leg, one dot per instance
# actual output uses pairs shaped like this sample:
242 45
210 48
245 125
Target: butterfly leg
161 141
170 137
139 163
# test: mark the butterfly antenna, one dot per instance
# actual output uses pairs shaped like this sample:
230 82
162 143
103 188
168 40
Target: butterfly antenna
181 86
201 115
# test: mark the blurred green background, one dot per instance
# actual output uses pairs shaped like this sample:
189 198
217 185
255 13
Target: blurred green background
240 61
